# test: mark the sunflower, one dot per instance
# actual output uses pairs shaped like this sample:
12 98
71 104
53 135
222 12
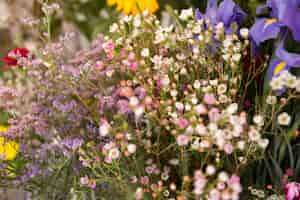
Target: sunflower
8 149
134 6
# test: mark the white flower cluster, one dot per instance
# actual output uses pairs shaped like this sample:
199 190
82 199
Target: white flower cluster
285 80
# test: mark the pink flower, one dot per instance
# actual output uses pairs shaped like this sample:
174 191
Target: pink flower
292 191
234 183
228 148
131 56
214 114
209 99
109 48
84 180
144 180
99 65
182 122
183 140
201 109
289 172
134 66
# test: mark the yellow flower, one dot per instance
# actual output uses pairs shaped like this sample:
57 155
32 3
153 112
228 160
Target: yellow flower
3 128
8 149
134 6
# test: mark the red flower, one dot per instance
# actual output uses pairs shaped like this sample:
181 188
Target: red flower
11 59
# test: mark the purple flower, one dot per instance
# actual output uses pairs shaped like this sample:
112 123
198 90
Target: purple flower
284 61
72 143
265 29
282 17
289 14
227 12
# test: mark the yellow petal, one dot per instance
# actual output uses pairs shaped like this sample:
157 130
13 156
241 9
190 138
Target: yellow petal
11 150
3 128
111 2
269 22
2 140
150 5
120 4
128 6
279 67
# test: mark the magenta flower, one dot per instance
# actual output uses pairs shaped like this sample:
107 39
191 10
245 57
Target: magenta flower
292 191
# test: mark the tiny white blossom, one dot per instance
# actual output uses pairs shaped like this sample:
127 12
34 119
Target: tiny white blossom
291 81
133 101
137 22
145 52
263 143
114 28
210 170
165 81
227 43
271 100
186 14
231 109
197 84
131 148
241 145
222 89
114 153
276 84
139 111
259 120
244 33
174 93
226 57
284 119
254 135
223 176
236 57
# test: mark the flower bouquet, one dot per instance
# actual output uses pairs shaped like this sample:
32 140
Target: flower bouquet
172 112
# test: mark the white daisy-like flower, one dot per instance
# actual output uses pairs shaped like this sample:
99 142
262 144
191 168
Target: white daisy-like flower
284 119
114 153
231 109
271 100
291 81
259 120
222 89
186 14
276 84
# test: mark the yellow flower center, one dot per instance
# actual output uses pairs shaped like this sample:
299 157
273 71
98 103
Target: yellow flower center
279 67
270 22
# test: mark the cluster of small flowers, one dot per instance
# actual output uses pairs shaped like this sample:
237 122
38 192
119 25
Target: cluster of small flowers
50 9
285 80
224 187
207 118
141 104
